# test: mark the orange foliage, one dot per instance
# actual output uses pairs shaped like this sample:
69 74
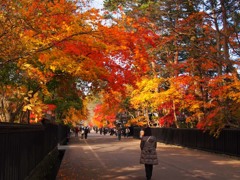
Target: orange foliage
102 118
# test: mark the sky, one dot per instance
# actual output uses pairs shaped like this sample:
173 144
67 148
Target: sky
98 4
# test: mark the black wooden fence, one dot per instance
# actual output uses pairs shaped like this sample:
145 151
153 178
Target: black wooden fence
227 143
22 147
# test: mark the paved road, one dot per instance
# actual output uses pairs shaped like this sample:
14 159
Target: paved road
105 158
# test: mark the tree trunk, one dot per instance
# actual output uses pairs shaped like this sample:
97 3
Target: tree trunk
175 115
229 67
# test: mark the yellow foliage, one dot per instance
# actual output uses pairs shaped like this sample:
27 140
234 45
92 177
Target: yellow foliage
74 116
139 121
34 104
146 93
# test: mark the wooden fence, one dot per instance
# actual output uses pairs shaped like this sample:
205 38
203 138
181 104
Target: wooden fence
227 143
22 147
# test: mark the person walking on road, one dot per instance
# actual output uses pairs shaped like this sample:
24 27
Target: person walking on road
127 132
141 133
86 131
148 156
119 133
76 131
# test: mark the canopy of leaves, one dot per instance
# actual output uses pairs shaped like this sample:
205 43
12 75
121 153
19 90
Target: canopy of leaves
195 61
178 60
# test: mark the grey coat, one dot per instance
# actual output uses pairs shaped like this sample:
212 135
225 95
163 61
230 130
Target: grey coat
148 147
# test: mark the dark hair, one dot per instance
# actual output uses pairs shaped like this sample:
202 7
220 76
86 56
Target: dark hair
147 131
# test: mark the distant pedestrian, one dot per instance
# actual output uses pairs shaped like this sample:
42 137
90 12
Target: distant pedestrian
82 132
111 131
119 133
141 133
86 131
148 156
76 131
105 130
127 132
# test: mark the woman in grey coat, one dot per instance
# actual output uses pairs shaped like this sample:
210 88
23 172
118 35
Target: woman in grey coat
148 147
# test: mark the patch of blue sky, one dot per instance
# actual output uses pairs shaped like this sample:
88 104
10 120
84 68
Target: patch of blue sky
98 4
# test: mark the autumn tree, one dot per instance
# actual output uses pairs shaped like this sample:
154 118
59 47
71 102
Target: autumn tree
30 32
185 53
63 52
23 37
193 51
